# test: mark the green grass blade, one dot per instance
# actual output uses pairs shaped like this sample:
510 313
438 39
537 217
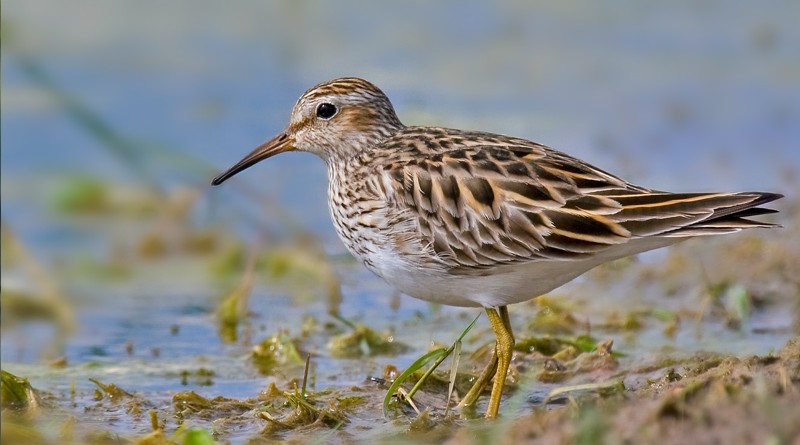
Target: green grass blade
466 331
438 355
419 363
453 372
439 361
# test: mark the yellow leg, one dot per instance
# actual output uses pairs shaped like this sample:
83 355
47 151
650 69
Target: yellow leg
503 350
505 341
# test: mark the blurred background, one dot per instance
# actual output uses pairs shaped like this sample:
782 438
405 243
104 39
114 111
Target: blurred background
116 115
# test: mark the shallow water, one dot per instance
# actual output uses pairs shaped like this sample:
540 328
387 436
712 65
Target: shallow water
678 96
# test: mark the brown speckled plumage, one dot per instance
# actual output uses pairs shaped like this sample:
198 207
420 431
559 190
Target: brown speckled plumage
479 219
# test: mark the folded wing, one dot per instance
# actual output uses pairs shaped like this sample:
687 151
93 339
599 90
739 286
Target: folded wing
502 200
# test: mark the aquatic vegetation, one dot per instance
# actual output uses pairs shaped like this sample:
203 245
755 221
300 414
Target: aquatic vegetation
233 308
435 357
16 393
110 391
554 316
364 341
305 269
275 353
37 294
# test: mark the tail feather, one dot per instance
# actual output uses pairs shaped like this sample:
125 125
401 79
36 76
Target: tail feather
719 227
692 214
755 212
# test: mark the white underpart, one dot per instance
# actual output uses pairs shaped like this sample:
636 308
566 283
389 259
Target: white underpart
505 285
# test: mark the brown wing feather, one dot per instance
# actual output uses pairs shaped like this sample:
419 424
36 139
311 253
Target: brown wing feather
485 200
505 200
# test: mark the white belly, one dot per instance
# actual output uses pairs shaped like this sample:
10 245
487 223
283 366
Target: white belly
507 286
503 286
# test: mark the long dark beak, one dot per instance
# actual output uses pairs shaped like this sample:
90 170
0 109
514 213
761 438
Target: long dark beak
278 144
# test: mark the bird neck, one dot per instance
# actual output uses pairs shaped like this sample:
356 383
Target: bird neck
359 144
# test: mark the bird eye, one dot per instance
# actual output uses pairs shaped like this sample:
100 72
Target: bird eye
326 110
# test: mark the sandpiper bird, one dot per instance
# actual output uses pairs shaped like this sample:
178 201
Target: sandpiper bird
467 218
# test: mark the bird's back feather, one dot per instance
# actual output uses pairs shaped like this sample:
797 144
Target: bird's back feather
484 201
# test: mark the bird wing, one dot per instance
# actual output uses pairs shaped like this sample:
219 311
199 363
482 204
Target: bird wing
483 200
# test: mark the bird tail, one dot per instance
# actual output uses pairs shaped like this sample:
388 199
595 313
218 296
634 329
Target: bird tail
733 219
692 214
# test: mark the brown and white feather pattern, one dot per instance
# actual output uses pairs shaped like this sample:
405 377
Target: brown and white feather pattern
478 219
464 202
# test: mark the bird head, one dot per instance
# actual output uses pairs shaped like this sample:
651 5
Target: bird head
334 120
